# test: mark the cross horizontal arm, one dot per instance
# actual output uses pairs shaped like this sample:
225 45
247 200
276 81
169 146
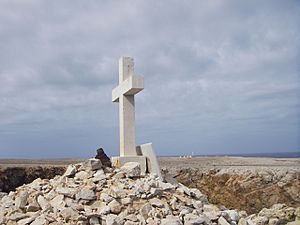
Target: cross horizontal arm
131 86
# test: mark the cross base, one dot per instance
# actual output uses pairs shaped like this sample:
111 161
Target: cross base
145 156
119 161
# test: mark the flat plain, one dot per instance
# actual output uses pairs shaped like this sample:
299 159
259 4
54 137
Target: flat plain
175 163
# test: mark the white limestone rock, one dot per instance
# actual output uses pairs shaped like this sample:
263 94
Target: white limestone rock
2 194
223 221
70 172
126 201
113 219
192 219
115 206
58 202
68 192
21 200
243 221
94 220
91 164
211 211
17 216
144 211
82 175
233 215
171 220
131 169
106 197
156 202
69 213
44 204
86 194
99 176
41 220
26 220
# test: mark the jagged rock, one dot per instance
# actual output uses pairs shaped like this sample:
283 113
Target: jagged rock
156 202
82 175
115 206
71 170
131 217
155 192
171 220
261 220
105 197
58 202
33 207
69 213
297 222
2 194
144 211
126 201
17 216
41 220
243 221
132 169
112 219
233 215
211 211
86 194
222 221
26 220
272 221
91 164
94 220
191 219
21 200
105 160
44 204
68 192
99 175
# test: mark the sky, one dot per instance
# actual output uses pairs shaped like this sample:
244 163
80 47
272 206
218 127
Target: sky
221 77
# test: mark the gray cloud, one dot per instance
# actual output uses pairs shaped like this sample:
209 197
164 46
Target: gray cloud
221 76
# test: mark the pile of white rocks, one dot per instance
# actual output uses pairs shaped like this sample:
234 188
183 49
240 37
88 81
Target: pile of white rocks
89 194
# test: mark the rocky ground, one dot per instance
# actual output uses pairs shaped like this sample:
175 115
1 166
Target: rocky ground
249 184
87 194
246 184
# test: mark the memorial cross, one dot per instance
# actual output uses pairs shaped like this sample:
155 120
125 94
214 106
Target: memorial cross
129 85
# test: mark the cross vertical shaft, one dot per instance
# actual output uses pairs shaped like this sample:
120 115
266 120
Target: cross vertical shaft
127 125
129 85
126 110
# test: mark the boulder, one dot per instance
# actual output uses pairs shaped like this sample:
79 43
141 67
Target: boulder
86 194
105 160
91 164
44 204
71 170
131 169
115 206
21 200
112 219
223 221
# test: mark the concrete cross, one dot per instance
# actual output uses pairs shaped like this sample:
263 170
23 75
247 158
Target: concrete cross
129 85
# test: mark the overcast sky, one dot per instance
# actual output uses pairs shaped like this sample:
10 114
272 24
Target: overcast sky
220 76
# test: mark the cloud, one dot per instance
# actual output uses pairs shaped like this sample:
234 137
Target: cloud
219 75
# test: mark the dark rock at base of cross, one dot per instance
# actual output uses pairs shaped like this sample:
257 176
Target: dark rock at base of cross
105 160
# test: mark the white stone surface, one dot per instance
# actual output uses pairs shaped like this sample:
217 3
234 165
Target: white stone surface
129 85
120 161
152 162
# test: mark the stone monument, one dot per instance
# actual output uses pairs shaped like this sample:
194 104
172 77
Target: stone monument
129 85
